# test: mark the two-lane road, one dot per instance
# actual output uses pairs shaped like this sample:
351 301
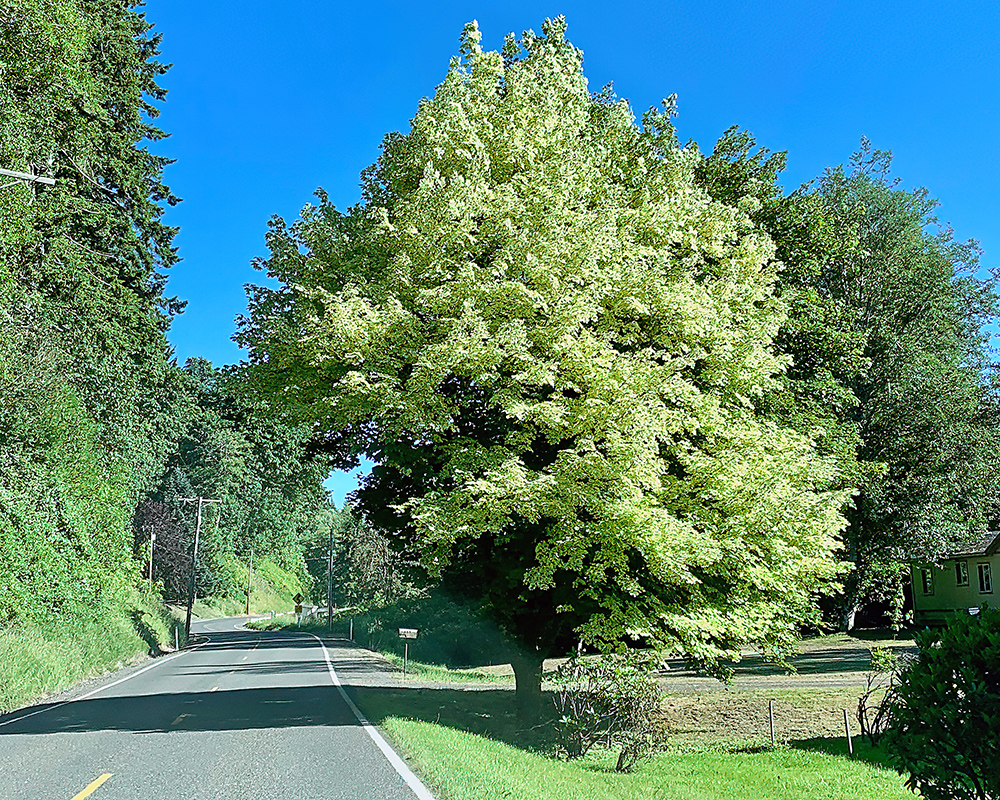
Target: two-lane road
243 714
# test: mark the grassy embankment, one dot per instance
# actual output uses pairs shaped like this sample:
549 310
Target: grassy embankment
452 641
467 745
38 659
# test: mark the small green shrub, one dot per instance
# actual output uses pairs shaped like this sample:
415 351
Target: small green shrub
614 699
944 727
874 703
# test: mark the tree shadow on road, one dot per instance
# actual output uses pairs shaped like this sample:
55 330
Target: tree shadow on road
485 712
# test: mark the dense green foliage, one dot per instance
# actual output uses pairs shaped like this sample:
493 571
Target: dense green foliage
944 728
887 338
101 435
550 340
83 359
269 488
453 634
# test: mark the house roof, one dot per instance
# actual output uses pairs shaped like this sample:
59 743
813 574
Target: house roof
984 545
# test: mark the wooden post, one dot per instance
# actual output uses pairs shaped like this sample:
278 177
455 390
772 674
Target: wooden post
249 574
194 561
847 732
770 718
406 653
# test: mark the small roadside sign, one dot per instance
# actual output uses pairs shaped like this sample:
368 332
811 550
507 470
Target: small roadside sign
298 598
298 608
407 634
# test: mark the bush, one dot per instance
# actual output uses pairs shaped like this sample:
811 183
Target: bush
873 709
614 699
944 727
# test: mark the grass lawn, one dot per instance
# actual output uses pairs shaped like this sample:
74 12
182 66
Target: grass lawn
464 766
417 670
467 746
438 672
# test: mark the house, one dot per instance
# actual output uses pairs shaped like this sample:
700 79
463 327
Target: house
960 582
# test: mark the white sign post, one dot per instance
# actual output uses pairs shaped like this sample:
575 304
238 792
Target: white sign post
406 634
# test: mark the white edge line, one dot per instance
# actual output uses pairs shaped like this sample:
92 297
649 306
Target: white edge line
92 692
398 764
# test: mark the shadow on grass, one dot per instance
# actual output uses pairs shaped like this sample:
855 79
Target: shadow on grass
145 632
485 712
863 751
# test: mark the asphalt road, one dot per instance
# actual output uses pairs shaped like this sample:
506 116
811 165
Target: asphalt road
242 714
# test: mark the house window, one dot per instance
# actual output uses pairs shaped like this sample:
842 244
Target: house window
961 573
985 579
927 580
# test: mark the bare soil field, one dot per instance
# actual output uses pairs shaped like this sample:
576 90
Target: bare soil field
830 674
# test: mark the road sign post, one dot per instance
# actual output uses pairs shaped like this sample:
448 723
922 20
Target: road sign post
298 608
406 634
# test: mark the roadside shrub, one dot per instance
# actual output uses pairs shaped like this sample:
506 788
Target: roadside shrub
944 727
876 700
614 699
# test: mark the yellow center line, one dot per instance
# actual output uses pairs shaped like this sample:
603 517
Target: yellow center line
90 789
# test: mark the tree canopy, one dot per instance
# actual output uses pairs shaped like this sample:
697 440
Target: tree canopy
86 414
550 341
887 336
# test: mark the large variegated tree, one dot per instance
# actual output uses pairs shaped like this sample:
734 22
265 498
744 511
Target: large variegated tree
550 342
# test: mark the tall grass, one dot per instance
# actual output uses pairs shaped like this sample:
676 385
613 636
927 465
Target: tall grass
37 659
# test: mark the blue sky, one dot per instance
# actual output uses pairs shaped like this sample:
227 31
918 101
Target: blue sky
268 102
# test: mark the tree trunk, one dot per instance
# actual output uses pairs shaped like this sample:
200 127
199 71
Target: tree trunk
528 687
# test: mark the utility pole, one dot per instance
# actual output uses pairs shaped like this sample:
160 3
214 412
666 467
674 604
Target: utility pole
249 574
194 561
329 586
